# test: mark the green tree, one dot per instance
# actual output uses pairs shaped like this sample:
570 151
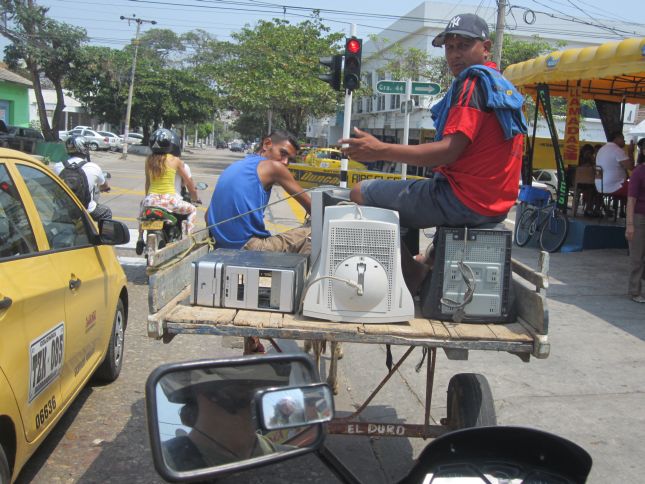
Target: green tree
48 48
163 96
273 66
102 84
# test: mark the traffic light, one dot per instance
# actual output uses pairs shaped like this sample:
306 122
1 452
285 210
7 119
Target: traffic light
352 74
335 64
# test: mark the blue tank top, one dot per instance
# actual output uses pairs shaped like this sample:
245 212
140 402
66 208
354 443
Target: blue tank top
238 190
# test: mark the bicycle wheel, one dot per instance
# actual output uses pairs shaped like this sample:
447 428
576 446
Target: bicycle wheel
526 225
554 231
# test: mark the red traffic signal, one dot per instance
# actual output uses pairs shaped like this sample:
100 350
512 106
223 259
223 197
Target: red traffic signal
352 71
353 46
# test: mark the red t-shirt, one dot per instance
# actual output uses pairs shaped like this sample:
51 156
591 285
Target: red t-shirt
486 176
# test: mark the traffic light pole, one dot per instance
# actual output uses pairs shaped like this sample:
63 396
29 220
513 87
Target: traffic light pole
347 121
406 124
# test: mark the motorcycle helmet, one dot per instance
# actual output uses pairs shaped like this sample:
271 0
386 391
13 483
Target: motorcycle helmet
164 141
77 146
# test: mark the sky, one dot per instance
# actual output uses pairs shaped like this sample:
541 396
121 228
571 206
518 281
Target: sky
219 17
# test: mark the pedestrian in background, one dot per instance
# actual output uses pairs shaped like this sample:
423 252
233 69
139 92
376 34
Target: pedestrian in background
635 225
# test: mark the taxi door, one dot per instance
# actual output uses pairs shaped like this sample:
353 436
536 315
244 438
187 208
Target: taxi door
68 232
32 316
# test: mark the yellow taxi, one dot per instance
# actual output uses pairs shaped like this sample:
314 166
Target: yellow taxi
329 158
63 304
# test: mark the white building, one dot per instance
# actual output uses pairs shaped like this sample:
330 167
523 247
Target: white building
75 114
380 114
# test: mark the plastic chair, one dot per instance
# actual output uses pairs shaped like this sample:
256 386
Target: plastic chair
607 199
583 179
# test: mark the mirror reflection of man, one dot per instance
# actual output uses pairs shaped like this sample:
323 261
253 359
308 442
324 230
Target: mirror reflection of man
222 429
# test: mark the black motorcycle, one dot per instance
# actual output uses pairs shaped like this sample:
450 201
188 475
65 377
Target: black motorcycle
210 418
167 227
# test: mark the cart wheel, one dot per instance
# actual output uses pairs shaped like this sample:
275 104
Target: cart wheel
470 402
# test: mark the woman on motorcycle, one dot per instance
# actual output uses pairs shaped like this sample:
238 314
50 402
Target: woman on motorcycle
161 168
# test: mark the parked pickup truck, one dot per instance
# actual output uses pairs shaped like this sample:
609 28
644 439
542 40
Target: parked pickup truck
21 139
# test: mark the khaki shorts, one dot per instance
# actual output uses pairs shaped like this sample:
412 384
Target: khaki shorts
296 241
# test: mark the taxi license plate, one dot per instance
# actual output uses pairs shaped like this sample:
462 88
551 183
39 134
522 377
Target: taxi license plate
45 360
152 225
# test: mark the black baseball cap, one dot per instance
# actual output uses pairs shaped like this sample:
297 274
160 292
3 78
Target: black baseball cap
466 25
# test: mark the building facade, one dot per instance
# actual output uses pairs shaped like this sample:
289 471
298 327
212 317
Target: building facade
380 114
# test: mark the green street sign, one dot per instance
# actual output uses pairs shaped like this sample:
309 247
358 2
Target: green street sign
390 87
425 88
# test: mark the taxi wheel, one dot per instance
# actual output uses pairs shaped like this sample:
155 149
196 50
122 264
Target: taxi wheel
111 366
5 475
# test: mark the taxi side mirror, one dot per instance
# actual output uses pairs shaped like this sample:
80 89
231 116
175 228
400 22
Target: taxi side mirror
113 232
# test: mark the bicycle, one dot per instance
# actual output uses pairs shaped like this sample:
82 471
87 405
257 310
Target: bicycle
543 214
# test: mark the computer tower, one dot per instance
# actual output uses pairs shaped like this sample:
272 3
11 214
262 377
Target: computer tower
481 256
246 279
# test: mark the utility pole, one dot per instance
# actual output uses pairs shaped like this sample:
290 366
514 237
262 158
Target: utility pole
499 34
128 111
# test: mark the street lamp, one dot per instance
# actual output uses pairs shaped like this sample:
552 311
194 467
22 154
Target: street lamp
128 111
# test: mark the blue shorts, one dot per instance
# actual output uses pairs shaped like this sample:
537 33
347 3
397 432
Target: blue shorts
423 203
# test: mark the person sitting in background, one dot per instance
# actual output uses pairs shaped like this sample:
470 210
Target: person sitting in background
591 201
615 164
635 225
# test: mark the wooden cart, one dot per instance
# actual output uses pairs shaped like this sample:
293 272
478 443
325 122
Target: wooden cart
470 400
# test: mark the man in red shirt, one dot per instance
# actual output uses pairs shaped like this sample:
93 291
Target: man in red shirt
477 152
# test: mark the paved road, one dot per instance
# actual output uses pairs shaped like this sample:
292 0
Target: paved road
591 389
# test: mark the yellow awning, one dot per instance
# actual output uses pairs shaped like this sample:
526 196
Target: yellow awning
613 71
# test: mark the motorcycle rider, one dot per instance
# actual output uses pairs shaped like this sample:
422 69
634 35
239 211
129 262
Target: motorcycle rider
78 149
161 168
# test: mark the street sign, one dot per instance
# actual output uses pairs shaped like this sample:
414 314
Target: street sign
398 87
390 87
425 88
406 106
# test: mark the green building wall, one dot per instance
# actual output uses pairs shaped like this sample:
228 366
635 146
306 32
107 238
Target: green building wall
18 97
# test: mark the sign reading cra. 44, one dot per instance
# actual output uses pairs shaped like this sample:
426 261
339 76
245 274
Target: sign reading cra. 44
398 87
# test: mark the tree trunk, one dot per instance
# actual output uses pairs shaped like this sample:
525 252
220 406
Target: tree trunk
58 119
48 133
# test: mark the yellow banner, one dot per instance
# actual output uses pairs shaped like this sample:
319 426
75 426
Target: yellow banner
572 128
310 176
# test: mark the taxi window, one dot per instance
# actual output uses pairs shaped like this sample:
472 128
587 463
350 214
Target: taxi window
16 236
63 220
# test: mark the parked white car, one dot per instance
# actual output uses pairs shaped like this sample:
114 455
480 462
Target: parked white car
134 138
115 141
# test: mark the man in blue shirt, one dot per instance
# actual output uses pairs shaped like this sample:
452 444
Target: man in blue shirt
245 186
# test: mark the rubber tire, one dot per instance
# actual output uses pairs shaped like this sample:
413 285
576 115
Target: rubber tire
522 228
111 366
551 240
93 146
5 472
470 402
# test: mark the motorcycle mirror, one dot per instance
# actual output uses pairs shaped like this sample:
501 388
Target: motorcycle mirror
201 186
297 406
203 417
